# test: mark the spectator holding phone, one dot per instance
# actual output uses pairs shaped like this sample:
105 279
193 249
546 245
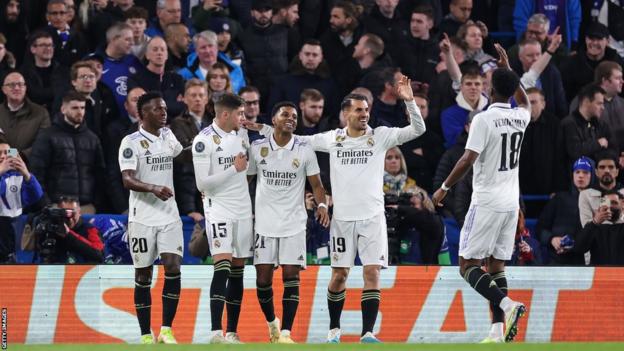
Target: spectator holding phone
18 189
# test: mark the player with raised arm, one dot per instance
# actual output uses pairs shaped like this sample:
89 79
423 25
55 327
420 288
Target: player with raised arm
154 225
357 154
493 151
281 163
220 161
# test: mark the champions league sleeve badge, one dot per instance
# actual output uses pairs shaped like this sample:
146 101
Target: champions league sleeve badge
199 147
127 153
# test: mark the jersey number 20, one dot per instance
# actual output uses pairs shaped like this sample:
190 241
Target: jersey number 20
514 141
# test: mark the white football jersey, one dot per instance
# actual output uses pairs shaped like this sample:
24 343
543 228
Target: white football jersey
496 135
224 190
281 177
357 164
151 157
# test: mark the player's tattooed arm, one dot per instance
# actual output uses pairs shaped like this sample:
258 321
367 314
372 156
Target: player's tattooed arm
130 182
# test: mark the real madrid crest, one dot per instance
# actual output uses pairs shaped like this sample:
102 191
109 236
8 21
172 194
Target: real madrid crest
216 139
216 243
264 151
144 144
295 163
340 138
245 146
370 142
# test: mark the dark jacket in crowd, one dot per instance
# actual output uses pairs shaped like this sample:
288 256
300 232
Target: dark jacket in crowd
418 58
447 161
288 87
16 33
552 86
390 30
74 49
605 243
560 217
117 194
578 70
21 127
188 197
430 227
40 91
171 86
68 161
335 53
540 157
351 75
579 137
266 54
422 167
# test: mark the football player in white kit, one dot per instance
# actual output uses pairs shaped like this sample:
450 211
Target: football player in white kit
282 162
357 155
154 225
493 151
220 161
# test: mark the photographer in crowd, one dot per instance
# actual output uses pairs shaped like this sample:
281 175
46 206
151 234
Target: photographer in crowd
64 237
603 236
409 207
18 189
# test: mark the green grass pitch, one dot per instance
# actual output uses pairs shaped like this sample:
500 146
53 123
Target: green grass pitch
341 347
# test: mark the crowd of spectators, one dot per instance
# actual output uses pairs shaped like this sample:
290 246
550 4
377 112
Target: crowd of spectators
71 72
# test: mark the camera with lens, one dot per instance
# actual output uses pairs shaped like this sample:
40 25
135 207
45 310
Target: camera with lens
49 226
393 221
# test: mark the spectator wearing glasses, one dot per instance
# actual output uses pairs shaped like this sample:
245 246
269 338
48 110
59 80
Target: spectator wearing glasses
22 117
251 96
565 15
69 45
42 73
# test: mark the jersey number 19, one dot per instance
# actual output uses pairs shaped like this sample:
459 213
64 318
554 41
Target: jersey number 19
515 141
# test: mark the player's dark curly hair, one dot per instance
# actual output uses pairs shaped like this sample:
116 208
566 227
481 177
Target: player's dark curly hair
281 104
505 82
145 99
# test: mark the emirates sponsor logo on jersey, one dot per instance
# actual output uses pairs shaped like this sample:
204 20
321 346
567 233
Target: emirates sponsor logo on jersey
354 157
277 178
160 163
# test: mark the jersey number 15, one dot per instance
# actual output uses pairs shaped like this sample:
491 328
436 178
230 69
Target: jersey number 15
515 141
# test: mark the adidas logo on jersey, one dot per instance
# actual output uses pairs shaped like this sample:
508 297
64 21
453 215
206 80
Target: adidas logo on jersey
263 162
300 258
219 148
338 144
147 153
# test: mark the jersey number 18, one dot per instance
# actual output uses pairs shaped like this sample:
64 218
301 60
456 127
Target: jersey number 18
515 141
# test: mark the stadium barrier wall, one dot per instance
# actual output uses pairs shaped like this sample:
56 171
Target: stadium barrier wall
94 304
